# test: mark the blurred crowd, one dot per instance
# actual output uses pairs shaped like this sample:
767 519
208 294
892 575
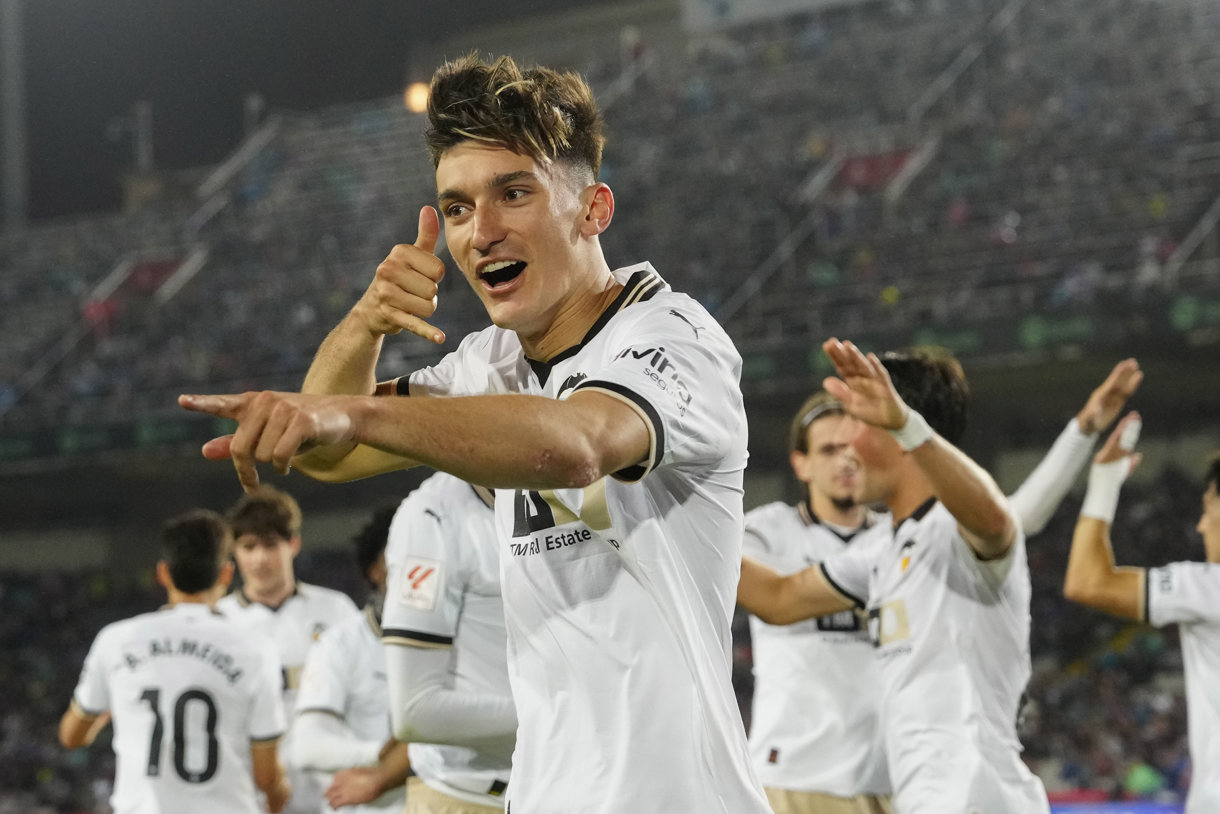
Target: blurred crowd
913 166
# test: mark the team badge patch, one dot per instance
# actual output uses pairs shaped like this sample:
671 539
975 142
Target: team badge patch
420 585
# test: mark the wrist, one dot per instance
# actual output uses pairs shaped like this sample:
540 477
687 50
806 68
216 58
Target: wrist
1101 496
913 433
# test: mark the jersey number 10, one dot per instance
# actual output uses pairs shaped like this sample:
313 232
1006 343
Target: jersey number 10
153 697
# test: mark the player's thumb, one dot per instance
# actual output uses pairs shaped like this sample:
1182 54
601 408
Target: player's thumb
429 230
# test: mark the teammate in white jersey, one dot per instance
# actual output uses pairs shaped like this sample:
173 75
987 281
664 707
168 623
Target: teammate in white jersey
194 699
946 587
446 649
1182 593
342 720
814 739
814 735
605 408
267 532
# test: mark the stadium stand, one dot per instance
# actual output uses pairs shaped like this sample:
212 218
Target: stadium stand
1026 184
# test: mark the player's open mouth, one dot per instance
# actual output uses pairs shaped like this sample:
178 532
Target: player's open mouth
497 274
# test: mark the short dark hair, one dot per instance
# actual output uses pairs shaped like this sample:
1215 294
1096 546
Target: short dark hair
266 512
370 541
932 383
819 404
546 114
195 546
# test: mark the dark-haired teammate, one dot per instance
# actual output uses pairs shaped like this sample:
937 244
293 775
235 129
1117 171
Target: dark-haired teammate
342 723
272 602
605 409
946 589
814 736
194 700
1183 593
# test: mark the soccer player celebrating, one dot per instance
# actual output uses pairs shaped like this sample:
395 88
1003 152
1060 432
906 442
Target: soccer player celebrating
446 650
946 589
815 738
606 410
273 602
341 724
1182 593
194 699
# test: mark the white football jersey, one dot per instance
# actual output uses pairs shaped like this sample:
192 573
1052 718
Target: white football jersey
1188 594
952 644
619 597
294 626
188 692
443 590
813 725
345 676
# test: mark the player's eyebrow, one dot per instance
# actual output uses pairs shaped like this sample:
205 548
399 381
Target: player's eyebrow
496 182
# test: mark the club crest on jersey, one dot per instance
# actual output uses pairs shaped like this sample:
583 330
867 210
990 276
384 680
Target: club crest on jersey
420 583
569 384
662 370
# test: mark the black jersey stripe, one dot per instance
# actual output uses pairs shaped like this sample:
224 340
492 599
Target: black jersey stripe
848 595
634 473
415 637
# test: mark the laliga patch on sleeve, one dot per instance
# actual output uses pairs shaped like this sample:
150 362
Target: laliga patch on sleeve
420 583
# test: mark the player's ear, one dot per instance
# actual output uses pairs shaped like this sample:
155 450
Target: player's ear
799 460
226 575
163 575
599 209
294 542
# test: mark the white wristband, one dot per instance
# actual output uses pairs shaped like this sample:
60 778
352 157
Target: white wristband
913 433
1101 496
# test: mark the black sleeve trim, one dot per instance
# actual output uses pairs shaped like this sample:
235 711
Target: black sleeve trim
416 637
848 595
634 473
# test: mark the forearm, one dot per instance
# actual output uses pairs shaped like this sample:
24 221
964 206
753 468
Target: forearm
393 767
1093 578
783 600
969 494
1036 500
346 361
496 441
424 707
320 740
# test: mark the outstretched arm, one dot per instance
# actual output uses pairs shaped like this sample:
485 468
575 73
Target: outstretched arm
964 487
496 441
1041 493
782 600
1092 577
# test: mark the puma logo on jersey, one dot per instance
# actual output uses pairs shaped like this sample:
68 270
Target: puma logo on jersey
692 325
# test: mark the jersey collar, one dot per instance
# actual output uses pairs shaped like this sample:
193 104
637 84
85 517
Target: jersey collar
640 286
246 601
809 517
918 514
